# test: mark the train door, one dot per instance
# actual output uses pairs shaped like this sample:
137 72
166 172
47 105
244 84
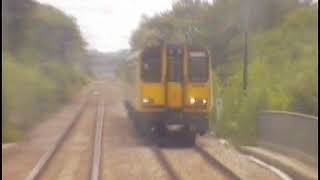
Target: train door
174 58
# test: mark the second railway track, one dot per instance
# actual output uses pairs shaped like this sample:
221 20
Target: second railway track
96 160
62 158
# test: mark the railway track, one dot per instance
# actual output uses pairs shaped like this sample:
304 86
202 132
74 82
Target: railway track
94 164
207 158
216 163
165 163
95 172
78 152
46 160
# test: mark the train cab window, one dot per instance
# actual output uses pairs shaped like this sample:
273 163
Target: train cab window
174 65
151 66
198 67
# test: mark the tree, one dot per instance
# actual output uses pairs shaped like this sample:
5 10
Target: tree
211 25
14 18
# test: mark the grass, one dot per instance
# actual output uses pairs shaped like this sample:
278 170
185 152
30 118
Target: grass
31 94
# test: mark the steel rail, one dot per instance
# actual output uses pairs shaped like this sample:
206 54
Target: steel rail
96 160
44 160
214 162
165 164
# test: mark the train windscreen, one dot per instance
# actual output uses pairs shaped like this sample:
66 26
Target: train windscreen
198 67
175 65
151 66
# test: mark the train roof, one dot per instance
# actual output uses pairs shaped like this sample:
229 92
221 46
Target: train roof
133 55
136 54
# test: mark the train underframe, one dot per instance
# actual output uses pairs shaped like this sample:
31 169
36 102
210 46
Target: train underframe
195 122
161 123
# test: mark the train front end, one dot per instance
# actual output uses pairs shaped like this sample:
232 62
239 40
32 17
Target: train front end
174 89
188 88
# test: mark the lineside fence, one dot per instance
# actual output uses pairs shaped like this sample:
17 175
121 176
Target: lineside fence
293 134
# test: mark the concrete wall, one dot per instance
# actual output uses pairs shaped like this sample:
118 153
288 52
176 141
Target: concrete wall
290 133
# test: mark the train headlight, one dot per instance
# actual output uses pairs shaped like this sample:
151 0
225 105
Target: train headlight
204 101
192 100
145 100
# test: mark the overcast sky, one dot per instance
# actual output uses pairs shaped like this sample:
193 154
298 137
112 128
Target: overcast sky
106 25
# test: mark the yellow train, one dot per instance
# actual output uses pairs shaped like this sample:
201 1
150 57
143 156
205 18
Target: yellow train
169 84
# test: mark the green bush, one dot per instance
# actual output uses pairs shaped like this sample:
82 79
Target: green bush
11 133
32 92
43 64
26 89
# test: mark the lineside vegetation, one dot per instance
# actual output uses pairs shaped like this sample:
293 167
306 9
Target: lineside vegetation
43 64
282 69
